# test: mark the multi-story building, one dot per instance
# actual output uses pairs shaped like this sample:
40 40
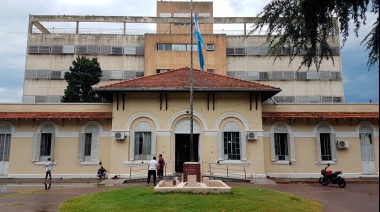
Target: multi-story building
236 131
124 54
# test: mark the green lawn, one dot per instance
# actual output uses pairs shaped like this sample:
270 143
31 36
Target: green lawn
144 199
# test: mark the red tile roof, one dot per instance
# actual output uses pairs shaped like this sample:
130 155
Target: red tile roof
178 80
55 115
326 115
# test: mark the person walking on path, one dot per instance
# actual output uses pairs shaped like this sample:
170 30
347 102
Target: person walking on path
49 167
152 167
160 167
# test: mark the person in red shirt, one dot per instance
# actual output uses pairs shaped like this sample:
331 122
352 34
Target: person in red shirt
160 167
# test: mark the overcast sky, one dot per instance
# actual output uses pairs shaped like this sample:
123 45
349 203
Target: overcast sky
360 85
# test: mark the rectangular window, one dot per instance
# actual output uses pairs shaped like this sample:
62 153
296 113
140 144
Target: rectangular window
161 70
45 144
312 75
40 99
195 48
335 75
105 49
93 49
33 49
281 146
87 146
81 50
5 143
117 50
116 74
240 51
231 145
288 75
301 75
163 47
131 50
44 49
129 75
263 75
179 47
325 146
143 144
277 75
140 50
241 75
68 49
54 99
252 75
165 15
210 47
56 49
56 75
210 70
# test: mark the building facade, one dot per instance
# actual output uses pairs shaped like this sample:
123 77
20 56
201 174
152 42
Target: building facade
127 54
237 130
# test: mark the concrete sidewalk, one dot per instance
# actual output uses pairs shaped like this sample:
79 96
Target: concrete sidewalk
357 196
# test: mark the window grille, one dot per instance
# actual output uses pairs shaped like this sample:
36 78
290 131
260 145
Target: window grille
105 49
57 49
117 50
263 75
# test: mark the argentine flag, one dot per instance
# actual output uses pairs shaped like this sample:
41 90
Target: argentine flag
198 37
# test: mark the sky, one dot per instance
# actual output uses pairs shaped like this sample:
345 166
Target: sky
360 84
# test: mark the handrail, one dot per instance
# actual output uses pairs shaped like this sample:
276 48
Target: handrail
229 168
140 167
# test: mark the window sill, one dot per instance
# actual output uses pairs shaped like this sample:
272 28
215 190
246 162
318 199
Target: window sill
233 162
43 163
136 163
282 162
325 162
89 163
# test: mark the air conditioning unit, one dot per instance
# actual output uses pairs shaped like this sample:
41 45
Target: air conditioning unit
120 135
252 135
342 144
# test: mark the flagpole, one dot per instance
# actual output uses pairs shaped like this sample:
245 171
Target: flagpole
191 84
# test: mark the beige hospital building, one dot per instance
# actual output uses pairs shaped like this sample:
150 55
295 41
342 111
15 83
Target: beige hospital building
252 117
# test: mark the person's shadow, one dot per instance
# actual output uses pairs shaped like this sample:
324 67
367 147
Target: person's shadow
47 187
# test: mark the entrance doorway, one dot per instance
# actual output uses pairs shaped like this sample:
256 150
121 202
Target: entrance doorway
182 150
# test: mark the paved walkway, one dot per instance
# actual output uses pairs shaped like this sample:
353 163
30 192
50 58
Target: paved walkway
355 197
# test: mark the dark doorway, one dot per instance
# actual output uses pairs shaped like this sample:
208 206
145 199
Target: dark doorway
182 150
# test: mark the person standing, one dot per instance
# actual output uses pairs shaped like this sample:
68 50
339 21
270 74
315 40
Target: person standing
49 167
160 167
152 167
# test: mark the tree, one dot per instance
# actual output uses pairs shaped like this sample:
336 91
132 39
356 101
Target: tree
306 25
83 74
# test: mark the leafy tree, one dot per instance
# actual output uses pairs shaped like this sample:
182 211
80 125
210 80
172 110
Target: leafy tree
308 24
83 74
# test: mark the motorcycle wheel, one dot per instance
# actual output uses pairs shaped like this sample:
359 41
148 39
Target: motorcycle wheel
324 181
342 183
320 180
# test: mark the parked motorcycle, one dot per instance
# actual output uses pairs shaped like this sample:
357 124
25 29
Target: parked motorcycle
328 177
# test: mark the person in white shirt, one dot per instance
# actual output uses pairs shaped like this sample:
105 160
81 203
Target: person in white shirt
152 167
49 167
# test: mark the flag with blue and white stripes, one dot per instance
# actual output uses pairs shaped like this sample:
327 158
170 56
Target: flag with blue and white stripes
198 37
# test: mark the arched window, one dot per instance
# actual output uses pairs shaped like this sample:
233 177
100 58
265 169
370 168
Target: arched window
143 142
326 144
88 145
282 144
43 143
5 142
232 147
